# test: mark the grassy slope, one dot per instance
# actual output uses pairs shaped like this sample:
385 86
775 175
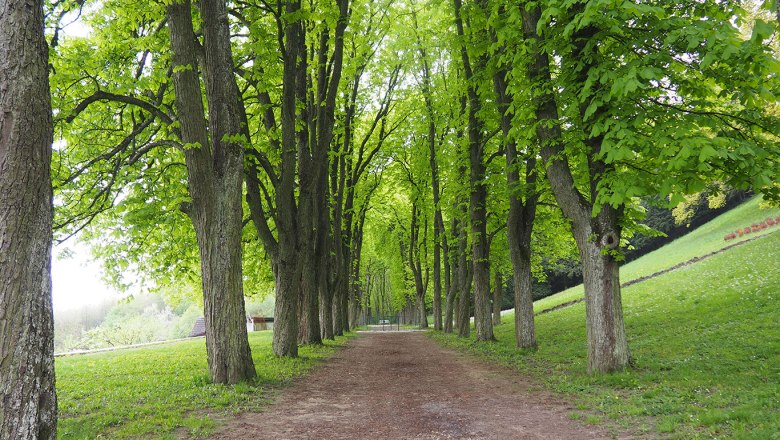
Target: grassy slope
163 391
705 339
701 241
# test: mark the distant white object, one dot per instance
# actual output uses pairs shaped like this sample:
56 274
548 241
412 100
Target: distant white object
384 321
260 323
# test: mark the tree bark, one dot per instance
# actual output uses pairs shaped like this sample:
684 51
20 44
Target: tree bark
497 295
28 403
478 197
449 269
287 270
463 285
597 237
215 176
438 221
520 220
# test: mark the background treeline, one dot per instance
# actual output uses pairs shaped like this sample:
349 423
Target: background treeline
139 319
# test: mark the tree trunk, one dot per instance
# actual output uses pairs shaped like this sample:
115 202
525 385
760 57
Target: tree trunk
437 235
215 176
520 220
463 286
287 268
438 221
597 237
28 403
478 195
326 311
338 310
449 269
325 238
480 256
464 303
309 331
607 342
525 334
449 310
497 296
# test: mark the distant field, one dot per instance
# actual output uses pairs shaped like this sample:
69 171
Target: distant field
163 391
705 340
703 240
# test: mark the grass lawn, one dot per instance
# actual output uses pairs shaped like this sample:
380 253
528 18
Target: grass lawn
703 240
163 391
705 340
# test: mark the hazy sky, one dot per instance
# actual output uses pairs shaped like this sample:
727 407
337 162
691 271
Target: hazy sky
76 281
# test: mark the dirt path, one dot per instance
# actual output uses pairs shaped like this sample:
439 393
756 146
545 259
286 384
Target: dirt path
402 385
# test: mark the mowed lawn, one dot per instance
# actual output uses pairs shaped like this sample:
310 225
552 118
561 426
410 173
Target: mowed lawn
705 340
163 391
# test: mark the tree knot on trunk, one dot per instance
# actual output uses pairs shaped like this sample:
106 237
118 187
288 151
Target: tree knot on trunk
610 240
186 207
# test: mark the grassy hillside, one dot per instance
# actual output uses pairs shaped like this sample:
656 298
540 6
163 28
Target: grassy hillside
705 340
163 391
703 240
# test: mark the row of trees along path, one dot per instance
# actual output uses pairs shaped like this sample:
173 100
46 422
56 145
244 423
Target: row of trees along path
346 152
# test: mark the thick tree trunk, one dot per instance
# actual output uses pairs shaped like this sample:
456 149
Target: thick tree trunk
497 295
287 285
325 264
422 315
215 176
287 270
338 310
449 310
596 237
28 403
525 334
464 302
308 305
607 342
480 252
326 311
226 334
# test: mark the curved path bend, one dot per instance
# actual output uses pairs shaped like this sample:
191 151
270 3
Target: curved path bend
402 385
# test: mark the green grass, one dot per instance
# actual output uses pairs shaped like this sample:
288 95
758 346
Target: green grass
705 339
163 391
703 240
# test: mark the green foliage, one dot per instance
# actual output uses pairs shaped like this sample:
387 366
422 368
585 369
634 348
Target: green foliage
160 391
705 344
135 320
